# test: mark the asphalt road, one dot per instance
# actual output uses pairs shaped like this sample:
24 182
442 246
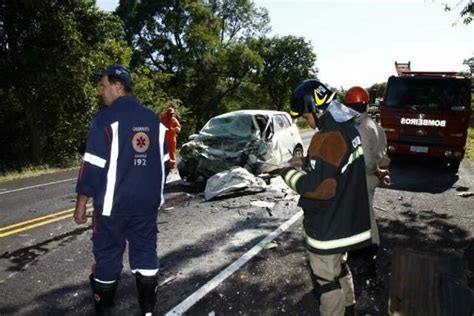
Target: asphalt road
44 269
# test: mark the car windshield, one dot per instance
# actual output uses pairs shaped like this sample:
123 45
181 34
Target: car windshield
235 125
426 94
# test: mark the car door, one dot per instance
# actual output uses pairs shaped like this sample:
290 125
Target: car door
283 139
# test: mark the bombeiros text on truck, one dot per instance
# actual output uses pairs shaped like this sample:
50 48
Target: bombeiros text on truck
426 114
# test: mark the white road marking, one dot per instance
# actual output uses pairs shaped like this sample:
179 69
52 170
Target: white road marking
227 272
174 176
37 186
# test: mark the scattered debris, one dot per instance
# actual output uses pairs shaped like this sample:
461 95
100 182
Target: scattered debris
380 208
270 245
466 194
262 204
235 179
267 205
167 281
460 188
269 211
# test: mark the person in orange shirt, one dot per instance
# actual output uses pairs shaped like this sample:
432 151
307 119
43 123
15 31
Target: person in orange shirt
172 124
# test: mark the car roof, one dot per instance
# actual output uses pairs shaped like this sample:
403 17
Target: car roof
254 112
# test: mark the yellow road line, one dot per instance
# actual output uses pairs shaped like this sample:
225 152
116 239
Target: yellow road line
36 219
69 215
37 222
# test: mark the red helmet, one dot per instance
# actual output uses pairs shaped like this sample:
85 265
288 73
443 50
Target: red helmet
356 95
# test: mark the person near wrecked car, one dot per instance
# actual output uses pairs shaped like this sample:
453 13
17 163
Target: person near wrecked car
374 144
123 171
169 120
333 194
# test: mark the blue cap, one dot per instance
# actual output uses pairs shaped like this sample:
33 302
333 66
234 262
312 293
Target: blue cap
118 71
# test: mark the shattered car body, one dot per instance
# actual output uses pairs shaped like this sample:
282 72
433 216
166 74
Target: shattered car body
229 139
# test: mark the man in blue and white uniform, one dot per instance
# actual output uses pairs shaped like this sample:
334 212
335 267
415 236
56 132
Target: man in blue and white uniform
123 170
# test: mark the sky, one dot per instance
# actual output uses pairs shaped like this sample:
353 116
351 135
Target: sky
357 42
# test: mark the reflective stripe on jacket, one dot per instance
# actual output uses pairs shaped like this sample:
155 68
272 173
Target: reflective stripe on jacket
333 189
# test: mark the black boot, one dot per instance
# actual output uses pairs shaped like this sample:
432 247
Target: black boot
104 294
350 310
147 287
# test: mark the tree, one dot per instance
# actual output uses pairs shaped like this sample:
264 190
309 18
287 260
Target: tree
379 89
287 60
467 11
49 51
198 44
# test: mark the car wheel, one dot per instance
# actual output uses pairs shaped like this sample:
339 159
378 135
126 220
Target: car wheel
184 173
298 151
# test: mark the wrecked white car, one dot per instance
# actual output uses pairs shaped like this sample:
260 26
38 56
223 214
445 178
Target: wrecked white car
269 138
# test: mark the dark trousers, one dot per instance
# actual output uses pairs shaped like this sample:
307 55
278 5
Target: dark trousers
109 239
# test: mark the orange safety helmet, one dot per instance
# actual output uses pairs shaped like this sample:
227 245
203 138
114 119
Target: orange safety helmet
356 95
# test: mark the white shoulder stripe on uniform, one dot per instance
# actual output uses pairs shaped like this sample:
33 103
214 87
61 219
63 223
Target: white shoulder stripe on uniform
112 172
94 160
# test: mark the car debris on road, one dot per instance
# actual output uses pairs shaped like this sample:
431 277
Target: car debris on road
235 179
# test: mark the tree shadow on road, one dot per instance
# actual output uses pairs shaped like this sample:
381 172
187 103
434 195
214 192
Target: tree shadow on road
421 176
23 257
424 231
170 292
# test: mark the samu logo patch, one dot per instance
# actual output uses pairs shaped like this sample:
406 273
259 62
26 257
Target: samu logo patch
140 142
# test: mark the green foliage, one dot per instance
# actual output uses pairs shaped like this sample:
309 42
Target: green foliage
467 11
149 89
49 52
379 89
199 45
203 57
287 61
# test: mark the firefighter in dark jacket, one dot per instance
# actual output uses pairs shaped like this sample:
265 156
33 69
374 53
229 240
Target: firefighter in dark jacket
123 171
333 194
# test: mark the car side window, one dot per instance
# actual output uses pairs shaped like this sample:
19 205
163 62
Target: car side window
280 122
287 121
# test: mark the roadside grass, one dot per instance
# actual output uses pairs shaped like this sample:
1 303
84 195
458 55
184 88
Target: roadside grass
470 143
470 136
31 171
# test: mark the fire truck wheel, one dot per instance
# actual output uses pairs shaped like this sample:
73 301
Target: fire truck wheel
453 165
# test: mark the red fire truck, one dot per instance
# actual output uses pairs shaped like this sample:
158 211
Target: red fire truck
426 114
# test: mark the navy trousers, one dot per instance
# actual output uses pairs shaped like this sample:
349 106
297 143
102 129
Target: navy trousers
109 239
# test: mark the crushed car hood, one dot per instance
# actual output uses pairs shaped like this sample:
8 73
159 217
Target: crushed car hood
209 155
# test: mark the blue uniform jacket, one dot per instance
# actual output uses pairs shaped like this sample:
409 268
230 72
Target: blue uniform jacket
123 167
